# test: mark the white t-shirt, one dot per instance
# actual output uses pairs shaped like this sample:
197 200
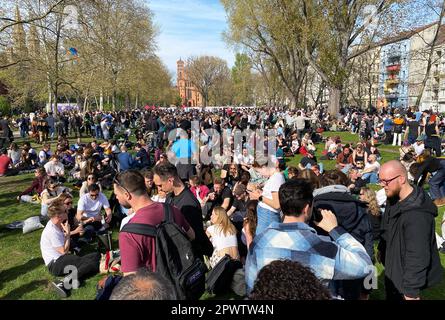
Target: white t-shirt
126 219
54 169
219 240
375 167
92 207
273 184
52 238
44 156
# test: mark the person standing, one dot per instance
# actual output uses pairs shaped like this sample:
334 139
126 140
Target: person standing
136 250
408 242
433 135
388 125
166 179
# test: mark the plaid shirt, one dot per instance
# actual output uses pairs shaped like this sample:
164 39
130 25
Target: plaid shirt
344 258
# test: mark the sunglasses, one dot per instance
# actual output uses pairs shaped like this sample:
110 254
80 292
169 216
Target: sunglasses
118 183
68 203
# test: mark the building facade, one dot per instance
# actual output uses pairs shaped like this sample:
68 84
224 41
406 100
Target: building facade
190 96
394 71
433 96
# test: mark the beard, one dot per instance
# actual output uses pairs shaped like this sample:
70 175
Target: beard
125 204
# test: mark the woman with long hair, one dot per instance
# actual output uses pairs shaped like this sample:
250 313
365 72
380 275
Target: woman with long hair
222 233
269 205
250 222
359 156
375 215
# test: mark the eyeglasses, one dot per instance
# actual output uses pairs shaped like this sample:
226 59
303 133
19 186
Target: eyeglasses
388 181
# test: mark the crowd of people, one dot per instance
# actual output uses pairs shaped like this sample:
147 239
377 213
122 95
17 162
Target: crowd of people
235 195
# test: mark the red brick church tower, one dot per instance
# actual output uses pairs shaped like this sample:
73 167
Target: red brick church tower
187 91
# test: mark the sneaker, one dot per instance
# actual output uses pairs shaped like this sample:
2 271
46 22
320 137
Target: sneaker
60 289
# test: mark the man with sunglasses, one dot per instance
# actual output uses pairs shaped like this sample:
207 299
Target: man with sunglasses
89 210
408 246
137 250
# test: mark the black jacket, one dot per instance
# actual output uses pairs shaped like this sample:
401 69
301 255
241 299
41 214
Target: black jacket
351 215
408 236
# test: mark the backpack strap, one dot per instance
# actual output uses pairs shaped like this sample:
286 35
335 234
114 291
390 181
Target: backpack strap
140 228
168 217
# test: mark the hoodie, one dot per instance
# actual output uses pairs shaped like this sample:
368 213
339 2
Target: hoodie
408 237
351 213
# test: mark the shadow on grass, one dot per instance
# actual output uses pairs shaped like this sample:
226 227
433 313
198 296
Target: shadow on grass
17 271
21 291
17 184
4 233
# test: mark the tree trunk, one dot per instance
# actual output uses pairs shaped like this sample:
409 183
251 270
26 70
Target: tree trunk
101 100
50 97
56 96
85 102
334 101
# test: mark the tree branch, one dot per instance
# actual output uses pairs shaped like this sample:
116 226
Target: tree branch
51 9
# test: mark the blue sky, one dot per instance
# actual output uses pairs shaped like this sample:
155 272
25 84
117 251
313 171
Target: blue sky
190 27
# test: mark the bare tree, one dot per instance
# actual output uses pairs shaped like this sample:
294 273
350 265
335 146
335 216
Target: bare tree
205 72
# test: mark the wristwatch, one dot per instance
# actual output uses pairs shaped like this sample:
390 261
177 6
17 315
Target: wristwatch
260 198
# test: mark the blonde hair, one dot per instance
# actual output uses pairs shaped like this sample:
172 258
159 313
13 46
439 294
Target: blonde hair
373 205
222 221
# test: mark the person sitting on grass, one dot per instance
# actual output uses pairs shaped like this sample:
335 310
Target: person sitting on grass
89 212
6 167
53 190
91 179
55 245
222 233
54 168
32 194
75 226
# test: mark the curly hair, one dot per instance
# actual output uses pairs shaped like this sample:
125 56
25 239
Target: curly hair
370 197
288 280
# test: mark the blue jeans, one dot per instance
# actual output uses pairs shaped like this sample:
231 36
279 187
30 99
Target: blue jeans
320 164
23 133
265 218
437 183
346 168
372 176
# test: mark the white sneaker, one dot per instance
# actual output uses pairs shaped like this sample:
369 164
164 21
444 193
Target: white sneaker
60 289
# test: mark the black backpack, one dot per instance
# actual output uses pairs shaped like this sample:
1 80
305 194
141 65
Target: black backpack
220 277
175 259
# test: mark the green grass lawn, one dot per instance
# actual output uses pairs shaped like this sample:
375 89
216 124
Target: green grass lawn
24 276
